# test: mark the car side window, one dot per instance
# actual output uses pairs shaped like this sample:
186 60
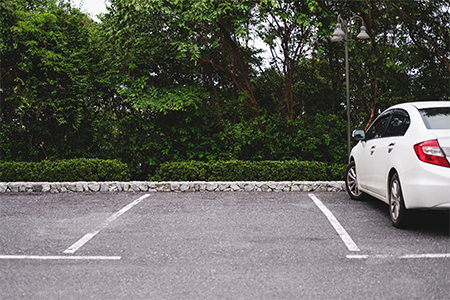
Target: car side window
377 129
398 124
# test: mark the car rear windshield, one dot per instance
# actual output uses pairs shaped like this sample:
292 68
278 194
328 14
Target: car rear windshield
436 118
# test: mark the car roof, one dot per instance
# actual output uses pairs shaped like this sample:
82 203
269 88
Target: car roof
423 104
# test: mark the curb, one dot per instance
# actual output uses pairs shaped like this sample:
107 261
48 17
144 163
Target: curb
172 186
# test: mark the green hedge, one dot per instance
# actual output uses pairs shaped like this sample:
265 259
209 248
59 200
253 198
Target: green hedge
113 170
291 170
65 170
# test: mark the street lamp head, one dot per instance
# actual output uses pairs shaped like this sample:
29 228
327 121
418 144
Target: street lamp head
336 38
363 34
338 31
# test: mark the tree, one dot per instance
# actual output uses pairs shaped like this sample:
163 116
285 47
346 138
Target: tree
386 71
289 29
142 60
426 41
46 62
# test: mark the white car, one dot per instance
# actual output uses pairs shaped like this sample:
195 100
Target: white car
403 159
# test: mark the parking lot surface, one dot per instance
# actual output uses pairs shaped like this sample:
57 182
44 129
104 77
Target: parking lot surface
217 245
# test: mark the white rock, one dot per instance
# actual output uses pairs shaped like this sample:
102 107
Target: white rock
184 187
249 187
211 186
95 187
45 187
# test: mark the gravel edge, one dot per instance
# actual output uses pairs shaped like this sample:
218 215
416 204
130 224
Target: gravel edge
173 186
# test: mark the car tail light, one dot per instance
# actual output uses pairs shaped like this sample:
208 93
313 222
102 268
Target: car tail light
430 152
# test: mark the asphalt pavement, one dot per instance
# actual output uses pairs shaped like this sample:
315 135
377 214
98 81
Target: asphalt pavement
217 245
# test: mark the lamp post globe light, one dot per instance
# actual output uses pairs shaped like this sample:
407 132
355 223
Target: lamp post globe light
340 34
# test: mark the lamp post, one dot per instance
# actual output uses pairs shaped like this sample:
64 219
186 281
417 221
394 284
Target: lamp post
340 34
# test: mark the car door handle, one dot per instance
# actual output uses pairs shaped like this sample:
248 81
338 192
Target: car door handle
391 147
372 149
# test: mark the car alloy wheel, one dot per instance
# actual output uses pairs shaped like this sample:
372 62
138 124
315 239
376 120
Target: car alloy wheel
351 182
397 210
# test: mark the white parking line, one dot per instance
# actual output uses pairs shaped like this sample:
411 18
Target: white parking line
429 255
87 237
408 256
39 257
335 223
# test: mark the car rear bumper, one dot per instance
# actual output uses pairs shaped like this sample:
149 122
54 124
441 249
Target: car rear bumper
428 188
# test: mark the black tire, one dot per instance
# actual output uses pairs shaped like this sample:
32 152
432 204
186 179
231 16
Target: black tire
351 182
400 216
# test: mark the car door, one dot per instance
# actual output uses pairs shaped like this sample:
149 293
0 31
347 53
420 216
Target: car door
384 155
368 156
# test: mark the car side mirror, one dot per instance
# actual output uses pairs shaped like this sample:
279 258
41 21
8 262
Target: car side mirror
359 135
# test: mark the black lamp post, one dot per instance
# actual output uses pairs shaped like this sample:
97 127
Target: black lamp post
340 34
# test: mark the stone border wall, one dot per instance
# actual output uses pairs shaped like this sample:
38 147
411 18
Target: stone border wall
173 186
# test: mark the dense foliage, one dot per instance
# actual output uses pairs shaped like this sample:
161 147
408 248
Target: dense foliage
208 80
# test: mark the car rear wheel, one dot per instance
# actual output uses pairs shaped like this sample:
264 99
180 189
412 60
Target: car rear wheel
351 182
400 216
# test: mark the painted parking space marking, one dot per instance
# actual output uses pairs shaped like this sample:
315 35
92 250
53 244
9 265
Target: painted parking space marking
56 257
335 223
430 255
87 237
408 256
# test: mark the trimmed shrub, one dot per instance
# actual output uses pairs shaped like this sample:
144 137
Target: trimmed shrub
234 170
65 170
